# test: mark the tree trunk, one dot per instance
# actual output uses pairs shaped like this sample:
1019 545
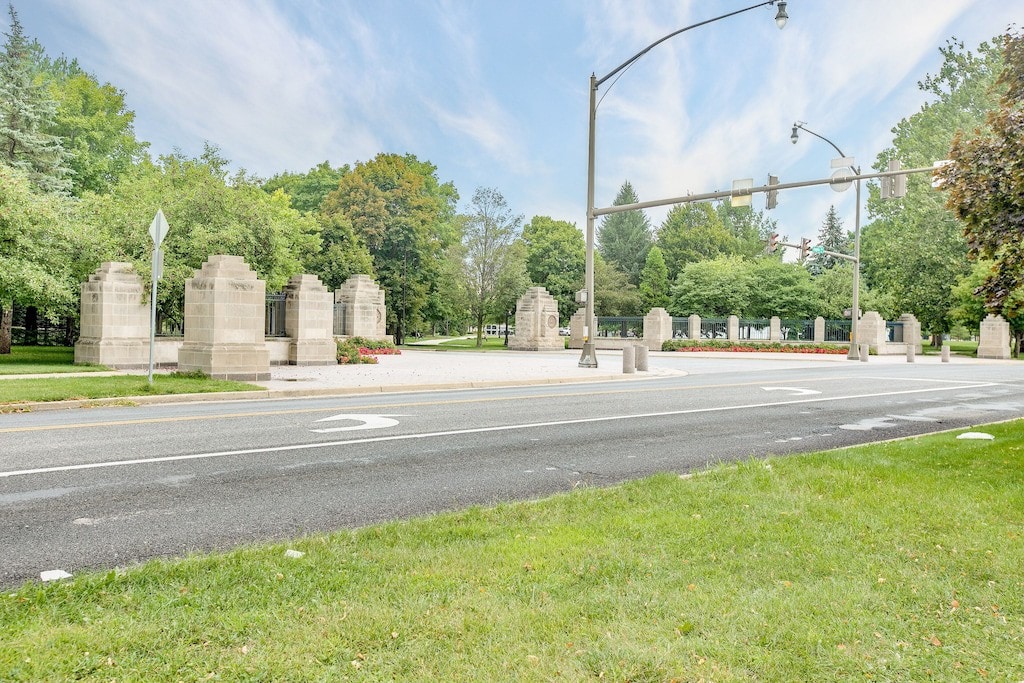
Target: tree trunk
479 330
6 322
1018 337
936 341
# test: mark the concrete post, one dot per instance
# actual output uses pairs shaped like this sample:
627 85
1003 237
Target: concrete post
641 358
911 352
819 330
694 326
865 351
734 328
628 359
657 328
945 353
775 329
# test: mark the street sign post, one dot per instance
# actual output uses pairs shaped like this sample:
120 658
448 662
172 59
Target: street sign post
157 231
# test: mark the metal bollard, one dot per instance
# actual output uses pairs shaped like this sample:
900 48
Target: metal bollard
628 359
641 358
911 352
945 353
865 351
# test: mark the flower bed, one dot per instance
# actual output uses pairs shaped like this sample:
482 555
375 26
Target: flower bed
357 350
750 347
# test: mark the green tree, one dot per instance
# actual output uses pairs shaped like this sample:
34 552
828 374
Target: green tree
406 217
835 294
748 227
489 232
94 126
914 248
623 239
713 288
308 190
654 289
614 294
208 214
782 289
343 252
26 112
985 188
831 237
555 259
693 232
42 251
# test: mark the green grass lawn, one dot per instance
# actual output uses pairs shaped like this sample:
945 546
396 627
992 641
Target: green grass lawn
898 561
490 344
15 391
30 360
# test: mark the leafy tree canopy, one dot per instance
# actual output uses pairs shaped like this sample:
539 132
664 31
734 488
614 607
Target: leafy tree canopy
555 259
654 287
307 190
691 233
624 238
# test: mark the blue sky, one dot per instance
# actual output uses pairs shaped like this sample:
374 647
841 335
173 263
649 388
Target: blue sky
495 93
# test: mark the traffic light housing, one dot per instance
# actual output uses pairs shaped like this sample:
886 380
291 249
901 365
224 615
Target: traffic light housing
773 242
805 248
773 195
894 187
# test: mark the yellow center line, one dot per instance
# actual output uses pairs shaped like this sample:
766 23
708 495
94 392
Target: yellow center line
407 404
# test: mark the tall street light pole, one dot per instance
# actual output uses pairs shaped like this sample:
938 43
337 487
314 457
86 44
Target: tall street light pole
854 352
588 359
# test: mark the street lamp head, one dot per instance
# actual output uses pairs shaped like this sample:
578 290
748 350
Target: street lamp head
794 136
781 17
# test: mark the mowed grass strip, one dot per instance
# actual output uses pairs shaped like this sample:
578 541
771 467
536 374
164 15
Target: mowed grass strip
896 561
31 360
17 391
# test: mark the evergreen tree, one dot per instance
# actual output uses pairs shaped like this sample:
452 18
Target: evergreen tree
832 237
654 290
625 238
26 111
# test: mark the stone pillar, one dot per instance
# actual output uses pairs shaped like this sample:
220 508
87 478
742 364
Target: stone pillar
225 310
994 340
657 328
309 322
694 325
536 322
871 331
576 324
819 330
775 329
911 331
734 328
114 322
365 313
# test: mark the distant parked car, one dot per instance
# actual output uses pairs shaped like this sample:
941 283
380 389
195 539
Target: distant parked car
564 332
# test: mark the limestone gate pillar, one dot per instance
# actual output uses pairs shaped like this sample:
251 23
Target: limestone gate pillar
536 322
994 341
114 322
364 314
225 309
309 322
871 331
657 328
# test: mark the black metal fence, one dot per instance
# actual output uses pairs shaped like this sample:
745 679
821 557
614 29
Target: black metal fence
837 330
760 330
274 321
714 328
894 332
29 327
680 328
797 330
340 329
624 327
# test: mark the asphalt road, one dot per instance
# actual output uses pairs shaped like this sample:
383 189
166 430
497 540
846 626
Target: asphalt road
114 486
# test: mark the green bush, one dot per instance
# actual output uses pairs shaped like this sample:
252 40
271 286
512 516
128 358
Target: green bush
348 353
738 346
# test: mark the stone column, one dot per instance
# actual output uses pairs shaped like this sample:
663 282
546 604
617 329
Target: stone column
994 341
657 328
871 331
309 322
911 331
365 313
819 330
775 329
694 326
733 328
576 325
225 310
114 322
536 322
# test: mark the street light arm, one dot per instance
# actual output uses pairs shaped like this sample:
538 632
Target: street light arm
820 137
638 55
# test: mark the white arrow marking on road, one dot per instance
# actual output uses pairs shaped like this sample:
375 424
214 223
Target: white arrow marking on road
797 391
365 422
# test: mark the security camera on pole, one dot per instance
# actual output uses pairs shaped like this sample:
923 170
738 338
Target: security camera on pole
157 231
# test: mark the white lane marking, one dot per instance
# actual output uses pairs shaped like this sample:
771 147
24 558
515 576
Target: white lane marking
364 422
473 430
796 391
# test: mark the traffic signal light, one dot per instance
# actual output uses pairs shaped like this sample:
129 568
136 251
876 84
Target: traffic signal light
894 187
773 195
773 242
805 247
